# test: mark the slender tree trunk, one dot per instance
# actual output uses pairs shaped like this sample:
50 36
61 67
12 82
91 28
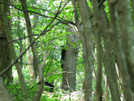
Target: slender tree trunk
35 20
87 44
98 32
119 51
37 96
19 35
29 61
13 55
69 78
126 30
109 57
87 48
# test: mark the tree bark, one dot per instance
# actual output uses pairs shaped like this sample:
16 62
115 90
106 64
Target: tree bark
87 48
37 96
13 55
119 51
69 78
98 32
109 57
5 57
126 30
30 63
4 93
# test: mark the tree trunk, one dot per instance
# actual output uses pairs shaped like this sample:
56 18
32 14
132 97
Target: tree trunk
13 55
98 33
4 93
37 96
19 34
118 49
69 78
109 57
126 30
5 57
87 43
29 61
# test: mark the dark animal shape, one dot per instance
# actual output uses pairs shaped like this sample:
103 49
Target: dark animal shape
63 53
50 86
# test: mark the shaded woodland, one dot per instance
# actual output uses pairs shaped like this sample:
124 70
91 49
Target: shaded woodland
66 50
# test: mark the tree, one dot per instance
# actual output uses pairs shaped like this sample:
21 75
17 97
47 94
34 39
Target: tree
116 44
69 77
119 52
5 59
4 94
108 65
14 57
87 43
39 67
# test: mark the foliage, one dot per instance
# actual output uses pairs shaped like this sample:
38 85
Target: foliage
52 40
45 11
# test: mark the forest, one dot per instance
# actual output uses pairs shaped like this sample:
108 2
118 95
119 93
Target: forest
66 50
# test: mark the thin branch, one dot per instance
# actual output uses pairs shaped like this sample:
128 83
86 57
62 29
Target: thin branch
58 18
43 33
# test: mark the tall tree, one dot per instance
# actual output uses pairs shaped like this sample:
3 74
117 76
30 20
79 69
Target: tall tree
35 53
126 36
121 59
108 56
98 33
5 57
69 77
13 55
87 43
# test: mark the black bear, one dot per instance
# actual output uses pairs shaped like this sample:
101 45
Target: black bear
49 85
63 53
